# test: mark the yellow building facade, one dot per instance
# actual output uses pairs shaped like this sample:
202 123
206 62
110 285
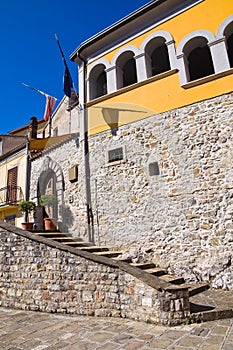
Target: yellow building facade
176 30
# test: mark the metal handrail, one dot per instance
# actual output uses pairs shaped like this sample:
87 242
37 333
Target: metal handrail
10 195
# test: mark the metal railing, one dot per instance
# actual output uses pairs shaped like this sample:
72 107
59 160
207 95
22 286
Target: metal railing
10 195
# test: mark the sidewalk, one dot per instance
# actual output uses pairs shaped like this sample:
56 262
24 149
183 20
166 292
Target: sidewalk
25 330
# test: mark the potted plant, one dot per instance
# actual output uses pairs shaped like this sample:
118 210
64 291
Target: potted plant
27 207
49 201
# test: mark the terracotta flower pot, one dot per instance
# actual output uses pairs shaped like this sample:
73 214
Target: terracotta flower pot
27 225
50 224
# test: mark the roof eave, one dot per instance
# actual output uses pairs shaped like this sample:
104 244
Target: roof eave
121 23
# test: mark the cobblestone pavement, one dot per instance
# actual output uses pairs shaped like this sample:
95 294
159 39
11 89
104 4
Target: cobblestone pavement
24 330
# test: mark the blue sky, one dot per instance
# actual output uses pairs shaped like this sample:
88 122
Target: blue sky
29 52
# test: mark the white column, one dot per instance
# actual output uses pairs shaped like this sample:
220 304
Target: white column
172 54
91 88
219 55
183 69
141 66
111 79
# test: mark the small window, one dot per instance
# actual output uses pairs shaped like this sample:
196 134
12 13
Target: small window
115 155
55 132
154 169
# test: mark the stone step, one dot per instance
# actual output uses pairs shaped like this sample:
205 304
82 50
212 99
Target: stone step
195 288
51 234
94 249
110 254
156 271
210 305
61 238
172 279
143 266
119 258
77 244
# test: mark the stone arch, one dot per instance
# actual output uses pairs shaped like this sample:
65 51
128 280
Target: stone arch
51 168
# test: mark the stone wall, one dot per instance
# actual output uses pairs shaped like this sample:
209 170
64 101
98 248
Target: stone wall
37 274
181 217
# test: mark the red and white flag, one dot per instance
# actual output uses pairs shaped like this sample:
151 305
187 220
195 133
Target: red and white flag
50 103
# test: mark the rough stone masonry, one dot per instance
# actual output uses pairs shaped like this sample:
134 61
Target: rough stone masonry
170 199
42 275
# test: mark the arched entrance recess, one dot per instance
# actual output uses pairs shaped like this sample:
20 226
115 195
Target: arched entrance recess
51 182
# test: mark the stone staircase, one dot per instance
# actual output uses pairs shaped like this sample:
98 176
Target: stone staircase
205 304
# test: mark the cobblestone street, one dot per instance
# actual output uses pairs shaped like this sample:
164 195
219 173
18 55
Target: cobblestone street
24 330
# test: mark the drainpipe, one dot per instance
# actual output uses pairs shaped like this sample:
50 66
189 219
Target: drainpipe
84 138
28 175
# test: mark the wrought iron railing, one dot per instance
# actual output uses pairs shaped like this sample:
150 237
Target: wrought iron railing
10 195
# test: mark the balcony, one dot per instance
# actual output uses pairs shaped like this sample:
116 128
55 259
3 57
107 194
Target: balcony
10 196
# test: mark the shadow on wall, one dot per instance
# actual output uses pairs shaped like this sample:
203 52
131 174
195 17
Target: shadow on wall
67 217
114 114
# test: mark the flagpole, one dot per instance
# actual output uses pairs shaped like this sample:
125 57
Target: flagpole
39 91
50 103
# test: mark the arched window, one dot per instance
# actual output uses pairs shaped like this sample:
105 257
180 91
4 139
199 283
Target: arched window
97 82
229 41
101 84
157 50
198 55
126 70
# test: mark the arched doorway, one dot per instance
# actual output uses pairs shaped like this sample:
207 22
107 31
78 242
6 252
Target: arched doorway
48 188
51 182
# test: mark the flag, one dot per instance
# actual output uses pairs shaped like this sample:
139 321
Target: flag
50 103
67 80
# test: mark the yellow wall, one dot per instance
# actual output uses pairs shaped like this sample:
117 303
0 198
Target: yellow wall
207 15
164 94
18 160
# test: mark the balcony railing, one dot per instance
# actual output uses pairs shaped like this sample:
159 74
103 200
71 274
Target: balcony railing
10 195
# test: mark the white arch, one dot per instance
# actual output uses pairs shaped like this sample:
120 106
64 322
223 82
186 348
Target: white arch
169 41
199 33
131 48
182 61
101 61
223 25
161 33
